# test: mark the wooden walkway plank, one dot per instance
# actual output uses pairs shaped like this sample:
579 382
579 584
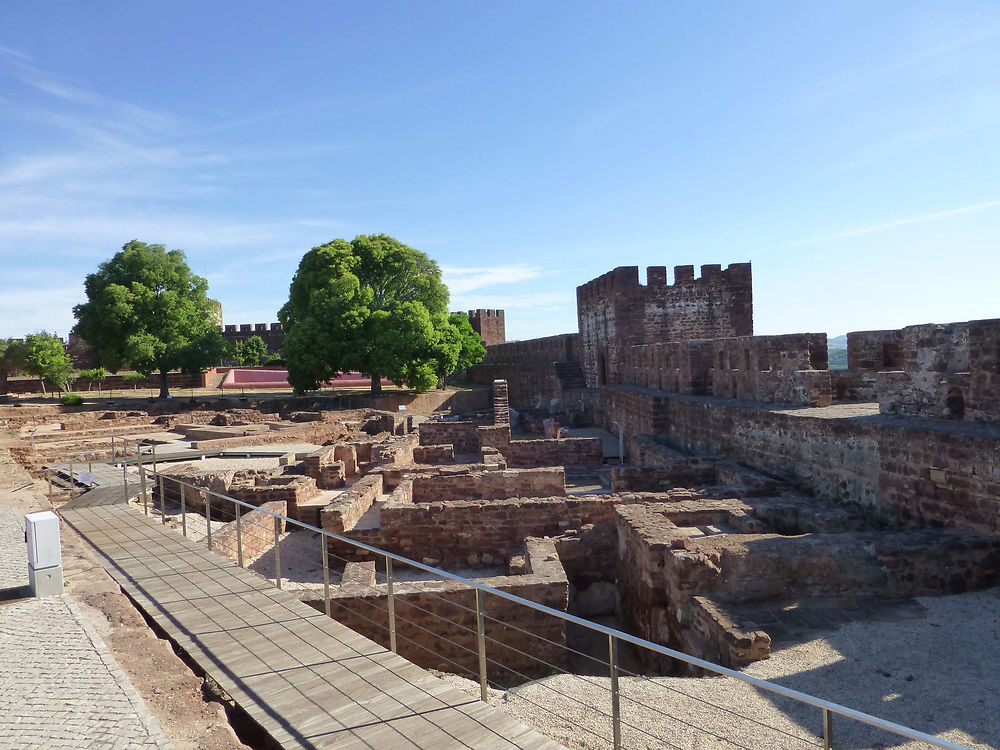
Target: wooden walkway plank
307 680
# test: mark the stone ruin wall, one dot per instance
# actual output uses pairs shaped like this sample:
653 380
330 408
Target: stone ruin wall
615 311
470 437
529 367
788 369
921 474
480 532
681 591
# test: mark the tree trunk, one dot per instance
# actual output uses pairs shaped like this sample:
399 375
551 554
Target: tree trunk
42 381
163 384
376 385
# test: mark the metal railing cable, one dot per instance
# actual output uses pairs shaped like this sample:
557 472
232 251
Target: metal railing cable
828 708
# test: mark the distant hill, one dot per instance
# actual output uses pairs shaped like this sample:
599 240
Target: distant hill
837 359
837 342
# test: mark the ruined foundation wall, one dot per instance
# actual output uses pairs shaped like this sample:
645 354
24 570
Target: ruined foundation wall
490 485
474 532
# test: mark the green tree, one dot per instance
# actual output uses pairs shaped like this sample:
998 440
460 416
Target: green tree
252 351
97 375
45 357
373 305
459 347
146 310
11 360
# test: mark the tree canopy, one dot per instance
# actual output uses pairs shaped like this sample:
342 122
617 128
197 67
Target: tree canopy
45 357
252 351
146 310
373 305
11 360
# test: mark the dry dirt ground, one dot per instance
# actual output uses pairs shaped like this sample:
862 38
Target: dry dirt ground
172 692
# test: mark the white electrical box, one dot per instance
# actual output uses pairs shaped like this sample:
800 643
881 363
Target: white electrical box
44 550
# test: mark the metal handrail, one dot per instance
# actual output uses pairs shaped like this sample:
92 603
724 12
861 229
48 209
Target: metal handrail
828 707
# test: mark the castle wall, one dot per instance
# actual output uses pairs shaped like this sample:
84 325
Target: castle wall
790 369
272 334
616 311
947 371
917 474
490 326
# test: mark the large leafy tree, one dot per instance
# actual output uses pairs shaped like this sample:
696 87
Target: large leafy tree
459 347
252 351
146 310
373 305
45 357
11 360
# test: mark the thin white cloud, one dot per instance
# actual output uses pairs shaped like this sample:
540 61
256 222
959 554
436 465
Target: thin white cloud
461 280
898 223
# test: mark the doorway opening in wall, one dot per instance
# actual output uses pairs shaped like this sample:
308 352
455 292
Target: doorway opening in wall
955 404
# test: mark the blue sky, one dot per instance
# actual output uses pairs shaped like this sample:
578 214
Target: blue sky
850 150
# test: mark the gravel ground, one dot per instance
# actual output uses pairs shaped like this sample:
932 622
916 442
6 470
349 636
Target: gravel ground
935 674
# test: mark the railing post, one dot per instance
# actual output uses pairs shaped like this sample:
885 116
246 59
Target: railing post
153 446
145 497
208 516
71 478
616 723
484 694
112 446
184 521
827 729
390 603
125 475
326 575
48 476
277 552
239 536
163 499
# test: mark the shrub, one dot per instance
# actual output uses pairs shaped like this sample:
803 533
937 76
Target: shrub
72 399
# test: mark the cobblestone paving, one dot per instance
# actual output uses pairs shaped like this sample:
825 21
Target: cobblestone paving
59 687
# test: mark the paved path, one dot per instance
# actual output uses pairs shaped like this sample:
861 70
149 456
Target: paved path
59 687
309 681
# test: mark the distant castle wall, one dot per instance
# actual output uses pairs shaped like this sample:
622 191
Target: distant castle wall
490 326
616 311
272 334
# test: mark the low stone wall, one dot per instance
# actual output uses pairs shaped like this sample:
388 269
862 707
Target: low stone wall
436 620
462 436
290 490
555 452
344 512
490 485
434 454
256 532
682 471
484 532
397 451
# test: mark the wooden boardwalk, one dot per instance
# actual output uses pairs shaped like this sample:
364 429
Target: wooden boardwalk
308 681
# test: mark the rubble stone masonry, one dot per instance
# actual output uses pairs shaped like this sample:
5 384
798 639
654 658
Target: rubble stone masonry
615 311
